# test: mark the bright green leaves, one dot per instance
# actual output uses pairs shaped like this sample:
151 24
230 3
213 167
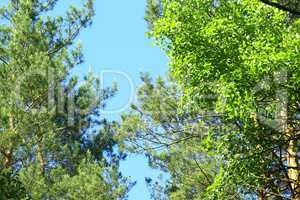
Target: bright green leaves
227 58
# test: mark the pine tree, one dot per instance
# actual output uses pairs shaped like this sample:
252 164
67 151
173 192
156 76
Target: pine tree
171 139
153 12
47 144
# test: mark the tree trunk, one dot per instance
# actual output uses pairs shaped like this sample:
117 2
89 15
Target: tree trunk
283 126
261 195
293 168
8 153
41 159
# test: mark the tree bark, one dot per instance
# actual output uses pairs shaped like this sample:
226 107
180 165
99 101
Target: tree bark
7 158
8 152
41 160
293 168
261 195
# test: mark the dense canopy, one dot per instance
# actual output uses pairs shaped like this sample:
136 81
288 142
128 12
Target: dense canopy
46 149
223 124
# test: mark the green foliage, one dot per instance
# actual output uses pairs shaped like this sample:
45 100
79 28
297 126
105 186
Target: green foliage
153 12
240 61
47 117
11 186
290 6
91 181
171 139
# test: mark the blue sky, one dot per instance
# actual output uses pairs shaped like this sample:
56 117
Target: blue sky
117 42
